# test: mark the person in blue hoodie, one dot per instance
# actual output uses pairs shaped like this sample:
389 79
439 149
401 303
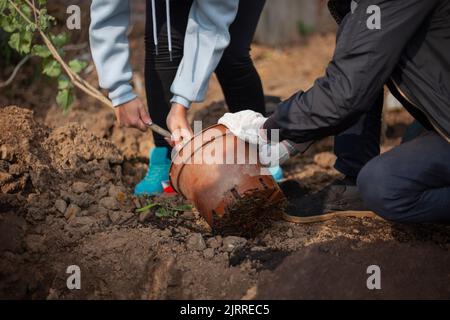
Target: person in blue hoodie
185 42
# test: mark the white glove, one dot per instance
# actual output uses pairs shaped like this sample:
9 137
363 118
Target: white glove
272 155
246 125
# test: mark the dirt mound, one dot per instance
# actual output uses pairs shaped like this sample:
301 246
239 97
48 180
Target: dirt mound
35 158
332 271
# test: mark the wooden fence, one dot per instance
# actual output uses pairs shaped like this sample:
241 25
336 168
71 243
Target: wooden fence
285 22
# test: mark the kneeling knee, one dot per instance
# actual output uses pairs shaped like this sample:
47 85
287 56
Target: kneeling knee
375 186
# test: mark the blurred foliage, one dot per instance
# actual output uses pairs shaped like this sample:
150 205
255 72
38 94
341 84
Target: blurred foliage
304 30
23 37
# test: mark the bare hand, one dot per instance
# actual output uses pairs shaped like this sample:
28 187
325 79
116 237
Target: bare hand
178 125
133 114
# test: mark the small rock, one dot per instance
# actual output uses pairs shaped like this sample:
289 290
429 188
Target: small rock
118 171
36 214
49 219
183 231
80 187
5 177
196 242
72 211
166 233
290 233
126 216
98 174
83 213
102 192
224 256
82 221
16 169
231 243
114 216
97 210
208 253
213 243
325 159
61 205
109 203
82 200
6 153
267 238
187 215
117 192
34 242
355 231
257 249
137 203
144 216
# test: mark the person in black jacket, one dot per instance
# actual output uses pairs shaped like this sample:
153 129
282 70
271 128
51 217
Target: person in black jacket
406 46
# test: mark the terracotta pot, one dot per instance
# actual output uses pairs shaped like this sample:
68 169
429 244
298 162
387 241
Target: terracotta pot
223 192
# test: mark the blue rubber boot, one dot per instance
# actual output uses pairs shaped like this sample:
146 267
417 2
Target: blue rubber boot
277 173
158 171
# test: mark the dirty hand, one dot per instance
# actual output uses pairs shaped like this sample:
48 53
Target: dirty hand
133 114
246 125
178 125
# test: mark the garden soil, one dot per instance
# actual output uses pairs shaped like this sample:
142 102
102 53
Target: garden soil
66 182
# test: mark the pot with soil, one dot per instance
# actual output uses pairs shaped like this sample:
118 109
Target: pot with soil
222 176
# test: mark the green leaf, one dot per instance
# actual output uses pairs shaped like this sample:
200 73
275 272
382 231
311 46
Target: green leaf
64 83
51 68
10 23
148 207
21 42
41 51
60 40
183 207
77 65
3 4
65 98
26 10
45 20
163 213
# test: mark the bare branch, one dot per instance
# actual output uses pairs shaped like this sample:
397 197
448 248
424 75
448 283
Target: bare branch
74 77
15 71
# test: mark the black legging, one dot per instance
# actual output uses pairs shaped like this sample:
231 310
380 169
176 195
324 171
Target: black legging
236 73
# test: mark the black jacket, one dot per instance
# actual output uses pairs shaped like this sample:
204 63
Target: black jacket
410 53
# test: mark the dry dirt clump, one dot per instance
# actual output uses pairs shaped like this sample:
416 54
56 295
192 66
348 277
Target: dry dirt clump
34 158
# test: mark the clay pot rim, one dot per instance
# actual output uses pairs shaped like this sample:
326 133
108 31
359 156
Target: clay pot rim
187 143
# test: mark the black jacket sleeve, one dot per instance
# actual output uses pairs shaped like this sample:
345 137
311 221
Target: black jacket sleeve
363 61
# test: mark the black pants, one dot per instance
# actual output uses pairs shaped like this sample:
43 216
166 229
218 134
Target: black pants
361 142
236 73
410 183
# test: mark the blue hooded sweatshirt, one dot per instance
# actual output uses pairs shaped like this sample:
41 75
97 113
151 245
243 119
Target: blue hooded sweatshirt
207 36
